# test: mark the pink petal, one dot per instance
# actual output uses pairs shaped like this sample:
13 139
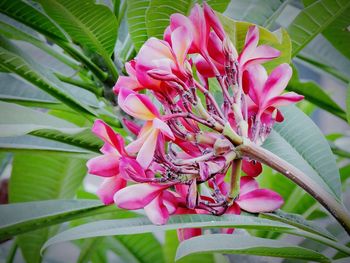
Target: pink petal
248 184
277 81
156 211
186 233
203 67
138 195
213 21
285 99
251 42
163 127
262 54
126 82
255 77
105 165
132 126
201 32
103 131
260 200
181 40
136 145
137 105
130 169
146 153
170 201
251 168
109 187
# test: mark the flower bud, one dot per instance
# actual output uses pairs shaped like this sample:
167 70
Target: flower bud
162 75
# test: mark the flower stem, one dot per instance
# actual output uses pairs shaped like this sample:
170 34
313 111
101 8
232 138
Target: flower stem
235 178
258 153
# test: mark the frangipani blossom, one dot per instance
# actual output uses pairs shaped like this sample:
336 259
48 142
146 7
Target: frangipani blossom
107 165
139 106
265 91
183 156
156 200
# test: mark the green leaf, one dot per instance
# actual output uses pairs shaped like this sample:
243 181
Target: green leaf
170 247
279 39
159 12
235 244
43 177
19 120
91 25
143 225
12 32
136 18
316 95
41 146
17 62
348 103
299 141
338 33
313 20
35 215
299 222
254 12
143 248
28 15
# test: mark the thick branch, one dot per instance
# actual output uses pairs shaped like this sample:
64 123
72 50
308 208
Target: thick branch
255 152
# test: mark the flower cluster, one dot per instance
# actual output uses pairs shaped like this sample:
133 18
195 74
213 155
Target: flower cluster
183 160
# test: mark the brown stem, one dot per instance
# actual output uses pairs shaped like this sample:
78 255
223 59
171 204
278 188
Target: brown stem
255 152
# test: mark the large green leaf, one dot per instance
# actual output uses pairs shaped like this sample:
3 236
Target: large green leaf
255 12
299 141
313 20
28 15
158 14
143 225
91 25
43 177
18 120
136 18
279 39
338 33
316 95
12 32
17 62
170 247
41 146
23 217
236 244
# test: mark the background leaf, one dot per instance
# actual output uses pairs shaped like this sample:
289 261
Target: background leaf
288 140
313 20
20 11
235 244
42 177
22 217
136 18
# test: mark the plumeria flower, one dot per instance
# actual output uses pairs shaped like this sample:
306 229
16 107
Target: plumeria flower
107 165
186 138
140 106
155 198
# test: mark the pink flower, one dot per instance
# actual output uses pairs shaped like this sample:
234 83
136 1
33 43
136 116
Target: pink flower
265 91
139 106
156 200
253 54
130 81
107 165
255 200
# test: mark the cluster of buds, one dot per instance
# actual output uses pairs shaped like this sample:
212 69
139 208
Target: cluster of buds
183 159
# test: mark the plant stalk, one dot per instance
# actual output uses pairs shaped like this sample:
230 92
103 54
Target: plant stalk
258 153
